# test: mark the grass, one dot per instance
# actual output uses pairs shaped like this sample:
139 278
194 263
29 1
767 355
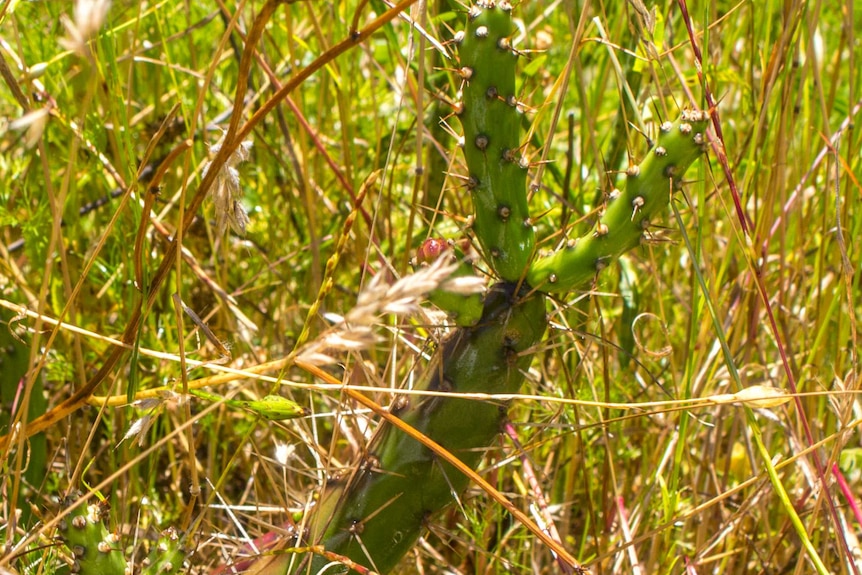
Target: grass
630 429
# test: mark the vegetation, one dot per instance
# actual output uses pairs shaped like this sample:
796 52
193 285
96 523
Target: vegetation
690 408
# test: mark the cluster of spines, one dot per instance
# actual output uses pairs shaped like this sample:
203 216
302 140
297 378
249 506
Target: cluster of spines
490 115
628 214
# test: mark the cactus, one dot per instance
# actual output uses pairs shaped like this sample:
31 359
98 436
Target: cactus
94 548
97 551
629 213
489 114
374 516
168 556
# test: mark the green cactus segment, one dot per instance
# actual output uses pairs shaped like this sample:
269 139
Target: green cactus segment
168 556
630 212
95 551
464 309
491 120
375 517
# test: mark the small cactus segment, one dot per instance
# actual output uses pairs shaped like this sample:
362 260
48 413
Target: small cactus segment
491 121
464 309
629 213
168 556
95 550
375 517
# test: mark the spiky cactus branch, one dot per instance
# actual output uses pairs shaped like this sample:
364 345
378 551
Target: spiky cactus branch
488 111
629 212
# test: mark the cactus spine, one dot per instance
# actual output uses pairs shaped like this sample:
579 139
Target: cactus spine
489 114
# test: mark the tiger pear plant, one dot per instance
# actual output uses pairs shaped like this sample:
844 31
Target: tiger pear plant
375 515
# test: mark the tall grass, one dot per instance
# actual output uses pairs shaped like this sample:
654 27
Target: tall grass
647 462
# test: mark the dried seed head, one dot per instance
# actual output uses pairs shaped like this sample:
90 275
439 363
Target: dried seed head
226 190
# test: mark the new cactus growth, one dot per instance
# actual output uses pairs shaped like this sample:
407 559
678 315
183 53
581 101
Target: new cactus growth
629 212
492 147
167 556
